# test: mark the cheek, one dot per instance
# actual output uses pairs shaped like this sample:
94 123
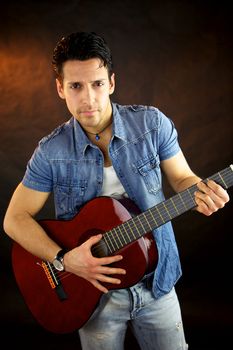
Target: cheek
71 105
104 97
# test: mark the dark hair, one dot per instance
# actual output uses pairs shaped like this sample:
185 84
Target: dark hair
81 46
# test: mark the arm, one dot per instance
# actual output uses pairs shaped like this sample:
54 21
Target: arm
210 196
20 225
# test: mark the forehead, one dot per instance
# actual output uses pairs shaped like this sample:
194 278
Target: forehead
82 71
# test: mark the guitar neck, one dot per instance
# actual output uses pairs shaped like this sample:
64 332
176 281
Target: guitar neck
159 214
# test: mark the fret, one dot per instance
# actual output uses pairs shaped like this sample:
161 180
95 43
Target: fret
149 225
160 215
115 238
135 227
165 206
122 235
132 233
171 199
107 240
189 201
146 226
191 191
222 179
114 242
127 234
180 195
153 218
163 212
172 208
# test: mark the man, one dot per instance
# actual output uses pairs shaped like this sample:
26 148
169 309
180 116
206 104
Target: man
113 150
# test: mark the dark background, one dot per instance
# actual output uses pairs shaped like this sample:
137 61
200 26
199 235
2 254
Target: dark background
176 55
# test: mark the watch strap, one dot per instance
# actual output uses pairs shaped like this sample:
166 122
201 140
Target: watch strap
60 254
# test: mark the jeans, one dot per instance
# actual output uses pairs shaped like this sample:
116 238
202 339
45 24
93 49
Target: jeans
156 323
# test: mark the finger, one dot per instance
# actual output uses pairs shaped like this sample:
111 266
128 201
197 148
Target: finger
104 279
205 200
99 286
111 271
93 240
110 259
203 188
202 207
219 191
210 195
108 279
214 190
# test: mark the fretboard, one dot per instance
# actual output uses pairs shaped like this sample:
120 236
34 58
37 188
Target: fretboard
159 214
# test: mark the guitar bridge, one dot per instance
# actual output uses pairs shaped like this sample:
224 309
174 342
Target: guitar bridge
54 281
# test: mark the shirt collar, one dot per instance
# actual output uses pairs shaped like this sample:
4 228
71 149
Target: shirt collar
83 142
118 125
81 139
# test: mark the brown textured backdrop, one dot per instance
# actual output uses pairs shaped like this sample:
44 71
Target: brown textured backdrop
176 55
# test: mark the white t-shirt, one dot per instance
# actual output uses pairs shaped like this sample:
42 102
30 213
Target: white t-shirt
112 186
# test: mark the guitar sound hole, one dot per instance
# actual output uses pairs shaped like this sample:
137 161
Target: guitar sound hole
100 249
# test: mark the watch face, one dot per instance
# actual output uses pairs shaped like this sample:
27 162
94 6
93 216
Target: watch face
58 265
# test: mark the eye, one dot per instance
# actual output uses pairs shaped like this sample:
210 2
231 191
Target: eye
75 86
98 83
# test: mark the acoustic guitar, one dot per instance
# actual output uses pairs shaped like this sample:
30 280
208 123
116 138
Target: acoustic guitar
62 302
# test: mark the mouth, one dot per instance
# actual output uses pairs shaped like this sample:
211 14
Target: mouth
89 112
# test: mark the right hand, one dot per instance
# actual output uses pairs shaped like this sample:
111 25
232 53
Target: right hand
82 263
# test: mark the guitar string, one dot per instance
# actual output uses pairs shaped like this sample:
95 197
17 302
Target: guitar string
97 248
110 233
61 275
116 234
119 239
164 209
142 220
66 274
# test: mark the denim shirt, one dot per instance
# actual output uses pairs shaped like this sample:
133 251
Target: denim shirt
69 164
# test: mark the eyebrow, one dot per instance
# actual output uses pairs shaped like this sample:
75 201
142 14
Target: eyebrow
92 81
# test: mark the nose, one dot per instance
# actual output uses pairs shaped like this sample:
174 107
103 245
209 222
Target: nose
88 96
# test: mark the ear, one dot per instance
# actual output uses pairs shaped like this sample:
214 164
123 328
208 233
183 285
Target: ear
112 84
60 89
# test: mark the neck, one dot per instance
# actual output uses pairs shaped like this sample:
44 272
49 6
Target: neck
100 131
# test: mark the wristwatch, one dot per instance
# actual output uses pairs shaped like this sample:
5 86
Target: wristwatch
58 262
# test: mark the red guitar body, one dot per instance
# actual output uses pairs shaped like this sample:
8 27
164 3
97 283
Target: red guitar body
70 308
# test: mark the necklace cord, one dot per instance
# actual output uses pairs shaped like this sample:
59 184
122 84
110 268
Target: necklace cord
97 137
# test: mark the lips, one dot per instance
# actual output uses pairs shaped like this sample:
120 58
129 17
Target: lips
89 111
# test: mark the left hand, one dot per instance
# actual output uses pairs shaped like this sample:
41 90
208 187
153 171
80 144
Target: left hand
210 197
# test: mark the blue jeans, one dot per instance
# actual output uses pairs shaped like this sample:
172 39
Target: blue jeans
156 323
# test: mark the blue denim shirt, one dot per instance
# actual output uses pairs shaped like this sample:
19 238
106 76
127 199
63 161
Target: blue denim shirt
67 163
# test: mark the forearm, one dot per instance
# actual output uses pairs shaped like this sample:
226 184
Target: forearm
26 231
178 173
187 182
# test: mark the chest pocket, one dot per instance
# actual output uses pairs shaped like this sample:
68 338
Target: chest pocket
149 171
69 198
